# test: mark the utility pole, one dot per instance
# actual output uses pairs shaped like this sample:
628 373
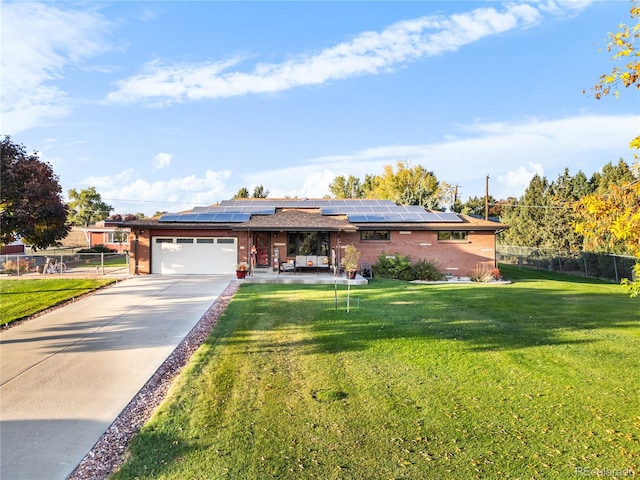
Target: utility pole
486 199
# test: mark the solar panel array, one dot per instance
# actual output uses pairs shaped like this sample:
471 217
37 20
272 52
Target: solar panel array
357 211
220 217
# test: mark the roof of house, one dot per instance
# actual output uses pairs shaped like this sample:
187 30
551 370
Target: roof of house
315 214
299 220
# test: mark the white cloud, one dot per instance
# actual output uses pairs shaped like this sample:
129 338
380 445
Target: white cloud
368 53
161 160
518 180
39 43
511 153
128 193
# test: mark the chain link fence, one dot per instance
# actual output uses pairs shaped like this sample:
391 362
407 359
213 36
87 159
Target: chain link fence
65 264
586 264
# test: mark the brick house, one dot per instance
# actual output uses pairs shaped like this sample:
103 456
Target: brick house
111 234
311 233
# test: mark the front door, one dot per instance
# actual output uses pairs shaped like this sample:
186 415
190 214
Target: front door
262 241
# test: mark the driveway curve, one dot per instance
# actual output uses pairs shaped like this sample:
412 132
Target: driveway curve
65 376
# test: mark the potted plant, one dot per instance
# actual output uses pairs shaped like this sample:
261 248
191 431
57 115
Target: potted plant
350 260
242 269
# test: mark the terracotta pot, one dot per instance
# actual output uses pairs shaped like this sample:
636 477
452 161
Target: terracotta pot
351 275
241 273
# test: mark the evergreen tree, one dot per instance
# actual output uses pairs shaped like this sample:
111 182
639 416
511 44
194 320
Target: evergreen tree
611 174
242 193
559 223
581 185
260 192
528 217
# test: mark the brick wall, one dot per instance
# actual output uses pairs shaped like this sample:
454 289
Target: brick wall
458 258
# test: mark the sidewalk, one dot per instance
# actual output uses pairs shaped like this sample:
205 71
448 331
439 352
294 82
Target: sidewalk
65 376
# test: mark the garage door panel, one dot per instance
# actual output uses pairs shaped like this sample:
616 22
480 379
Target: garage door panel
201 255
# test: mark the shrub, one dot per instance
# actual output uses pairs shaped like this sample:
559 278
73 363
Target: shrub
426 270
394 266
11 266
97 249
481 274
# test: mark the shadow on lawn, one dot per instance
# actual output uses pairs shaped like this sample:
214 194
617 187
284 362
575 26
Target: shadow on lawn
483 318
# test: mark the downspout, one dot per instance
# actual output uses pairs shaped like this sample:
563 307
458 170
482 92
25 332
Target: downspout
135 253
248 246
336 271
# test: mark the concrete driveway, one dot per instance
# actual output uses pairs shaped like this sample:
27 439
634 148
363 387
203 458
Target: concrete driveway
66 375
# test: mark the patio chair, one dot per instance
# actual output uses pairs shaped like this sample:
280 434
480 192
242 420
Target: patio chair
289 266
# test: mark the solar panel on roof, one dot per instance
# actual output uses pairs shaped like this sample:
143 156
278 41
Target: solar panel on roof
200 209
449 217
169 217
366 218
258 210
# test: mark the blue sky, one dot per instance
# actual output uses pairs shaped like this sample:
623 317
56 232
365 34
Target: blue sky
169 105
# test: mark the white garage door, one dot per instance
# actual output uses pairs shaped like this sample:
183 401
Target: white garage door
194 255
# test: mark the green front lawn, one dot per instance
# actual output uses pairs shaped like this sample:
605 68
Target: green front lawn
22 298
531 380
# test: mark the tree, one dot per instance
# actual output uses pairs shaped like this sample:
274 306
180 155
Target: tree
475 206
614 217
31 205
563 192
611 222
527 218
86 207
242 193
609 174
342 187
581 185
409 185
624 48
260 192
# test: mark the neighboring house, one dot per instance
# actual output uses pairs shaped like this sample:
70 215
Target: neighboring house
112 235
13 248
212 240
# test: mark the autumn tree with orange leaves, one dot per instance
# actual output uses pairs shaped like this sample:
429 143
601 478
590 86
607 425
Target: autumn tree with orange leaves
612 219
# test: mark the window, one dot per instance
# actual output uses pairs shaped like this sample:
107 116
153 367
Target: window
226 240
184 240
204 240
164 240
307 243
116 237
456 235
375 235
